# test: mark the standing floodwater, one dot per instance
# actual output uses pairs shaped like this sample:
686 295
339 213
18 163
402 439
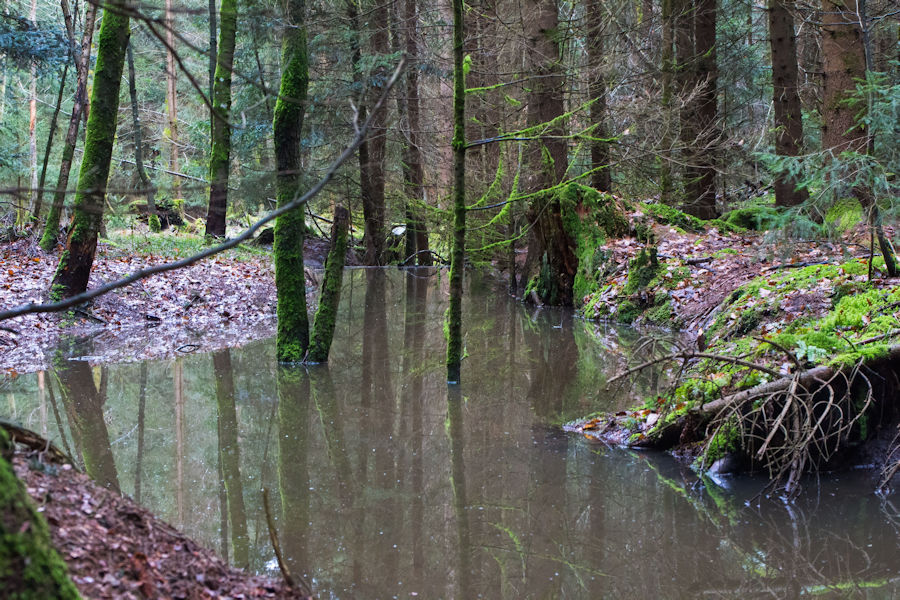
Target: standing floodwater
387 484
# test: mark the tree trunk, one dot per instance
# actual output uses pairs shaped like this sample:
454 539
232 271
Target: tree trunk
666 185
785 97
219 160
844 63
700 184
330 293
32 121
29 565
551 248
458 248
75 263
293 323
372 169
601 178
42 180
51 226
413 173
149 190
172 95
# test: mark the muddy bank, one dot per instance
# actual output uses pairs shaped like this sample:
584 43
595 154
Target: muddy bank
115 549
221 302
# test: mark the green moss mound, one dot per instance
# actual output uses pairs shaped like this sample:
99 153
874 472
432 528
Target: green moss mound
754 218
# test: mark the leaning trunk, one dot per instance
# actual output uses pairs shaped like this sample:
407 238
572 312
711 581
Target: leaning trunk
220 154
152 217
75 263
330 294
293 323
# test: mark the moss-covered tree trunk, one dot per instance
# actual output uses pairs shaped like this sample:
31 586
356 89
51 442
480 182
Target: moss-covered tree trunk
30 568
330 294
149 190
220 154
79 105
550 248
785 97
74 267
458 249
293 470
293 323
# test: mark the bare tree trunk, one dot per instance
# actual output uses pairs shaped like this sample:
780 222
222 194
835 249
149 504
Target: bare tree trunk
149 190
785 97
79 106
550 250
32 121
372 170
601 178
172 95
700 187
458 247
39 193
666 183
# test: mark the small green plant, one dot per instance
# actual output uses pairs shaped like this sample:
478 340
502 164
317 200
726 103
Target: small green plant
809 353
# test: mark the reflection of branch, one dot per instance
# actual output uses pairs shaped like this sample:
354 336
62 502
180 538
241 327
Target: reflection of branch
32 308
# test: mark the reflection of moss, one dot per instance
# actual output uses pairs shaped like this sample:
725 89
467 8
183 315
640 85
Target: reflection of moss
725 440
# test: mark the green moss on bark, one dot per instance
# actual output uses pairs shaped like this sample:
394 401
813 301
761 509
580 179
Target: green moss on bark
292 339
330 293
30 568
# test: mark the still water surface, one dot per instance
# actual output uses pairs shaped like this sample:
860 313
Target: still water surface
387 484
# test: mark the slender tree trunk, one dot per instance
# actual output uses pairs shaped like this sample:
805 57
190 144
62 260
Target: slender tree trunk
219 160
330 293
74 267
293 323
550 249
83 56
39 194
178 384
413 173
601 178
785 97
372 169
172 95
29 565
32 121
666 184
149 190
458 248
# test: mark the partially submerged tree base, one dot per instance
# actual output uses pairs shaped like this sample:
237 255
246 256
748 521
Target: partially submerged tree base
827 416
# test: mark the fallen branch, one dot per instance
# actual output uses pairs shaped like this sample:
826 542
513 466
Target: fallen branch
32 308
273 537
686 356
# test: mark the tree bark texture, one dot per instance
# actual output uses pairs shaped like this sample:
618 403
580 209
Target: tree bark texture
413 172
785 97
149 190
293 323
79 105
372 168
666 183
172 95
601 178
844 63
42 180
550 250
458 247
74 267
220 154
29 565
330 294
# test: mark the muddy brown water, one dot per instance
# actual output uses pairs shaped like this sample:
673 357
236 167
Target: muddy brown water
385 483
